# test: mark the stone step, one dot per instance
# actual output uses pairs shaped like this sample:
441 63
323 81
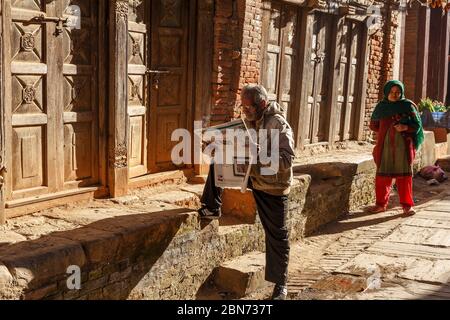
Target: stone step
242 275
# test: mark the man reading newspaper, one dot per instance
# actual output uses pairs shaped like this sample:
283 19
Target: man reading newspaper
270 188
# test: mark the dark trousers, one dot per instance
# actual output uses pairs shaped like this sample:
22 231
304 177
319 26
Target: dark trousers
272 211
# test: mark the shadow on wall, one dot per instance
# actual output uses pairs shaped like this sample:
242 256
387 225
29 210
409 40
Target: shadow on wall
336 188
114 255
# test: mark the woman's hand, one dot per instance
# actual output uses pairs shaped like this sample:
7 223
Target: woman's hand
401 127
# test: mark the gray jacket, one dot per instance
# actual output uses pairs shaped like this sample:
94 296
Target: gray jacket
280 182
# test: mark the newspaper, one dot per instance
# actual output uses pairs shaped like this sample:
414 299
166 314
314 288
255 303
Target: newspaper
235 174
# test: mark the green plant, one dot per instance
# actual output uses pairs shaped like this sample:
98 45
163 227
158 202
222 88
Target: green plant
432 105
439 106
426 104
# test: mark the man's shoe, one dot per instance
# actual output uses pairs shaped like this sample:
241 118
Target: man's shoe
279 292
208 214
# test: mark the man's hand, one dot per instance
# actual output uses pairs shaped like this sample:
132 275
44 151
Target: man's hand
401 127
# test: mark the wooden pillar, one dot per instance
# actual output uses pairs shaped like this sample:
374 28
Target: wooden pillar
443 57
203 66
2 122
118 133
422 53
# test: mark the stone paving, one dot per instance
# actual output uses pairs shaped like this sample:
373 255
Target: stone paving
382 256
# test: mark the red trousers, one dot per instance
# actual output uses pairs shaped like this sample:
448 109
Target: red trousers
383 186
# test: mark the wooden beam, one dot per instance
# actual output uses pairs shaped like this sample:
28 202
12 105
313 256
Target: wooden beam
118 133
2 123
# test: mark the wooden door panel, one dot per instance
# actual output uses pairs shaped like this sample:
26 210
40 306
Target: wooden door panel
281 47
273 52
77 148
80 52
289 54
319 68
167 123
28 146
350 47
31 99
168 92
351 112
53 98
138 101
36 5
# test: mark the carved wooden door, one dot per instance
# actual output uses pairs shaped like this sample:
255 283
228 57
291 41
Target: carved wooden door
346 119
51 97
317 115
281 45
168 76
138 98
80 101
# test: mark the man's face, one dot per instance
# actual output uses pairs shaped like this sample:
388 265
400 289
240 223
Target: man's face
394 94
251 111
248 108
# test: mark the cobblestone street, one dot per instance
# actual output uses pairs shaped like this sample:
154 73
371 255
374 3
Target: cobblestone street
382 256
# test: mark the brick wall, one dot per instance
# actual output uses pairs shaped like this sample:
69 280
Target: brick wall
410 56
237 56
380 65
236 60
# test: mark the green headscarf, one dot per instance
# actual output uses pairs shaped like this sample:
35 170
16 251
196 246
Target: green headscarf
403 108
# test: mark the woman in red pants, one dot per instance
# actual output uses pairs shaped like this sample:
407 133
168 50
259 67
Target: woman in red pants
399 134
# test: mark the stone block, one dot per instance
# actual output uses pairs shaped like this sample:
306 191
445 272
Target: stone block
180 198
239 205
9 237
241 276
440 150
148 234
98 245
41 293
427 152
5 277
34 262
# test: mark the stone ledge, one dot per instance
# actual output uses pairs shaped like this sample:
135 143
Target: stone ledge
159 255
326 170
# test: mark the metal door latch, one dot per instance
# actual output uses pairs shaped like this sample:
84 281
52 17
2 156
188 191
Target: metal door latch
60 22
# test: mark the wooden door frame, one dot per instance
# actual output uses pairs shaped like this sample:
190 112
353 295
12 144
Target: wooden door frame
3 164
118 96
202 100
